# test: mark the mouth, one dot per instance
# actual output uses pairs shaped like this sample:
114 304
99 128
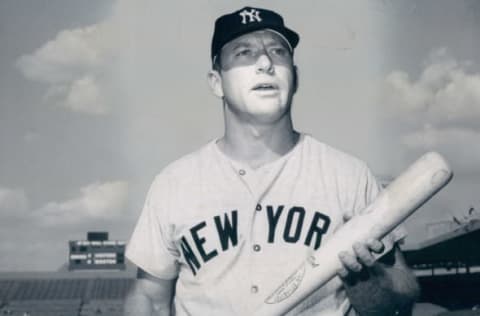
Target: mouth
265 87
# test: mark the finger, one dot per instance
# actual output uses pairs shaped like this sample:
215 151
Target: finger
363 254
342 272
375 245
350 262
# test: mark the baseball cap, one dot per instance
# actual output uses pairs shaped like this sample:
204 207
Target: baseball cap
246 20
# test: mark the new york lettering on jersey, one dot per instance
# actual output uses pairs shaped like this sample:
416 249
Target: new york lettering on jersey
299 226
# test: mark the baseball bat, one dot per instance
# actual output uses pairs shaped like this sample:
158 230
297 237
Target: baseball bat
416 185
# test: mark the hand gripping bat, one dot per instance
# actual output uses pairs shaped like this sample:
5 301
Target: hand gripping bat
416 185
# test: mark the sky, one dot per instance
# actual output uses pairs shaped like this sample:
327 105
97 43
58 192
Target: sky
96 97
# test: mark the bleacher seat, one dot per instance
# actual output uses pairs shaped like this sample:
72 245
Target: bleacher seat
63 297
108 289
7 287
102 307
42 308
50 289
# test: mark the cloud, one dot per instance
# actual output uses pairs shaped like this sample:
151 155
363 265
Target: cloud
457 143
60 59
446 92
74 66
27 249
95 201
430 136
43 233
82 95
13 201
438 111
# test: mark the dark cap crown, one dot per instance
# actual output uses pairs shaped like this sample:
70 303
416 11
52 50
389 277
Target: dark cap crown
246 20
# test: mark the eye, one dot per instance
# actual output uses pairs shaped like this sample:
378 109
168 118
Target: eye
279 51
244 53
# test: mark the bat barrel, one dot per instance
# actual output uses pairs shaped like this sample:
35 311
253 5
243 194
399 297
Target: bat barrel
410 190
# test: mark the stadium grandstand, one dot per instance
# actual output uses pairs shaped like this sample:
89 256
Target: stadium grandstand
94 281
64 293
448 268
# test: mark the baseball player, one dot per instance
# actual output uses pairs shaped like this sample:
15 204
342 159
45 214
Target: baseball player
223 225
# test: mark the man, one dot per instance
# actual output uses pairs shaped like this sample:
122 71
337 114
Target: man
223 226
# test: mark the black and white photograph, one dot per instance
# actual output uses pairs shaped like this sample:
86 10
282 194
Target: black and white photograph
240 157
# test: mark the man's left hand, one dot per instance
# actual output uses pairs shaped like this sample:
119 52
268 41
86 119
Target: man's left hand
361 257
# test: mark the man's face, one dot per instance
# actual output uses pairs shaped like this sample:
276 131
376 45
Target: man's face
257 76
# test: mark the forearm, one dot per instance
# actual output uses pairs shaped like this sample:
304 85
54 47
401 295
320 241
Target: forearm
382 291
149 296
139 304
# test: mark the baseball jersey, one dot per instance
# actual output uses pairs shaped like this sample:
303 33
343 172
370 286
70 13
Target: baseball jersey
231 234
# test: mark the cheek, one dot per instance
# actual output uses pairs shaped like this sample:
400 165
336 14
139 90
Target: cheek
286 76
233 81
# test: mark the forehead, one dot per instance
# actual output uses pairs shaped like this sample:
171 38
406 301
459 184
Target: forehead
264 37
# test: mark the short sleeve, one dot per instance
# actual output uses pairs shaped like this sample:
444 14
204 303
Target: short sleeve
150 246
370 188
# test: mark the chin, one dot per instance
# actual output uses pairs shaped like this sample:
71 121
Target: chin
267 104
269 114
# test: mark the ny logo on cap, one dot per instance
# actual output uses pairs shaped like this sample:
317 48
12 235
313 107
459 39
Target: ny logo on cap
253 15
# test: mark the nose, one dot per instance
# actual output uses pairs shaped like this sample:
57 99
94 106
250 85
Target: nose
264 63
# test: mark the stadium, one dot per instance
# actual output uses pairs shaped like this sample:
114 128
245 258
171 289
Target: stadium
95 281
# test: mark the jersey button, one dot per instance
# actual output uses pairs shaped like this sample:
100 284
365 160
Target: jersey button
254 289
242 172
256 248
258 207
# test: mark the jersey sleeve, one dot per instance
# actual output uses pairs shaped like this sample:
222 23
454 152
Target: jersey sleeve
150 246
370 188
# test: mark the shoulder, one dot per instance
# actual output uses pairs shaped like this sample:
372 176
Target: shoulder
185 166
332 157
350 176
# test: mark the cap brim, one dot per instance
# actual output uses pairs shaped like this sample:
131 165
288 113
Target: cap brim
288 35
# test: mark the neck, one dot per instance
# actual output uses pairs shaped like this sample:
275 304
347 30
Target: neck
256 144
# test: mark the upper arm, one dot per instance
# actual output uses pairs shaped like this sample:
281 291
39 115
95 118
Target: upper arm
152 244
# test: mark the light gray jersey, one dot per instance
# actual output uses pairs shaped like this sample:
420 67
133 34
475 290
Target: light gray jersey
231 234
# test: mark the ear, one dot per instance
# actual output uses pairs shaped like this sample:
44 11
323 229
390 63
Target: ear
295 78
215 83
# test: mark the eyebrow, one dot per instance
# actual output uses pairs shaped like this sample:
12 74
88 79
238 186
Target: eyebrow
241 45
268 43
275 42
